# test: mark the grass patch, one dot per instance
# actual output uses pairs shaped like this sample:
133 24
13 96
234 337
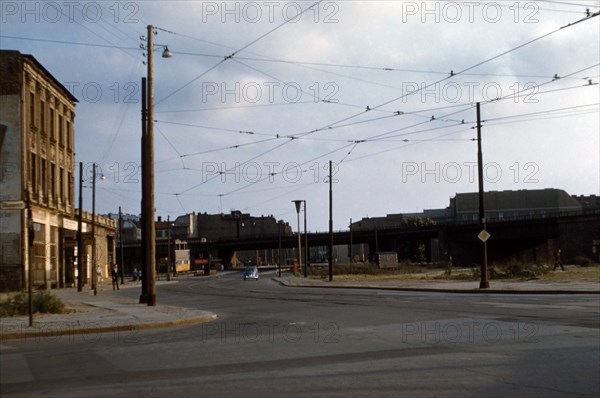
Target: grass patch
512 270
42 302
575 273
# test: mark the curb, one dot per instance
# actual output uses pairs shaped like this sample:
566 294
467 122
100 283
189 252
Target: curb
106 329
442 290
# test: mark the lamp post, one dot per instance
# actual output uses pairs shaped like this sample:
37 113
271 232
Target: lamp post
121 247
148 175
30 240
80 232
169 251
280 224
350 249
298 204
94 273
305 243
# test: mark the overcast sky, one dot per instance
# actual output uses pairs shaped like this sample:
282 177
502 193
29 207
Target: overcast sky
255 101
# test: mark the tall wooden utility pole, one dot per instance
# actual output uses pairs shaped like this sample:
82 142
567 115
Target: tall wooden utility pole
484 283
80 232
330 223
149 176
144 267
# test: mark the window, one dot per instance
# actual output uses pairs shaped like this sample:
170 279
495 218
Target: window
61 184
51 121
32 173
43 177
69 190
32 109
69 134
43 117
60 130
52 181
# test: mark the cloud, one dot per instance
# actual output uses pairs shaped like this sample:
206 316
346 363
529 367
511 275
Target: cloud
352 54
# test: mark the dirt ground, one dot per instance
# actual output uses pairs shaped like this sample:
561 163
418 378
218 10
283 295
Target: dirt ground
571 273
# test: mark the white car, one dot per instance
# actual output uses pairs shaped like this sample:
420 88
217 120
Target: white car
251 272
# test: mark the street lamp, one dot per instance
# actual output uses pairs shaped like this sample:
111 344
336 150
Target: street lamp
298 204
94 272
148 174
305 243
279 224
169 250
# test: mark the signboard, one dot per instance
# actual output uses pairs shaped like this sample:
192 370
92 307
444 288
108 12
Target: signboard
69 224
12 205
484 235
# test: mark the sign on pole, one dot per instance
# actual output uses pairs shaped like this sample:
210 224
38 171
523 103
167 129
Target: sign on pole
484 235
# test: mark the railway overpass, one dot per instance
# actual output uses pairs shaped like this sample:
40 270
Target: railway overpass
522 239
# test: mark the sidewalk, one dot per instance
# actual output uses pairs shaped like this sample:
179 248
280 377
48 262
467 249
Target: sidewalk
107 312
496 287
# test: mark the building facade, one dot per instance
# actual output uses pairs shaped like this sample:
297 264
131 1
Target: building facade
37 158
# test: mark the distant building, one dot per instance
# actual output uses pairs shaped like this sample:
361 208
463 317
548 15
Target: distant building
199 230
501 205
498 206
37 159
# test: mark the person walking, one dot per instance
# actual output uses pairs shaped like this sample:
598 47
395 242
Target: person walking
114 273
557 261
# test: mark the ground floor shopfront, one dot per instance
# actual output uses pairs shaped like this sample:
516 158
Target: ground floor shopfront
52 253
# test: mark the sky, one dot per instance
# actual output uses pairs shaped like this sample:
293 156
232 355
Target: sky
259 97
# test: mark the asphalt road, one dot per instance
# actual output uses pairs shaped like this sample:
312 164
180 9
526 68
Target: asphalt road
275 341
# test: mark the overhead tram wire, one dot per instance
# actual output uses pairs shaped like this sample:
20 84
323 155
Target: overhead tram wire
570 3
230 56
456 73
377 138
249 132
261 180
219 108
275 174
69 42
546 112
413 142
433 139
168 142
301 90
407 143
229 170
524 91
113 45
373 68
472 67
547 117
186 155
380 136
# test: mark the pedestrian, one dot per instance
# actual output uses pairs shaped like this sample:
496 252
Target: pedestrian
557 261
135 274
99 274
115 276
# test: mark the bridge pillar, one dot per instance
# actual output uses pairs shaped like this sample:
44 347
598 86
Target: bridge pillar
227 256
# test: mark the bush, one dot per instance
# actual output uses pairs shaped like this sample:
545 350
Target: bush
346 269
516 269
581 261
46 303
42 302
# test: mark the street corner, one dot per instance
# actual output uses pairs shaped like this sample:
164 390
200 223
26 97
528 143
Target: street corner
102 318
